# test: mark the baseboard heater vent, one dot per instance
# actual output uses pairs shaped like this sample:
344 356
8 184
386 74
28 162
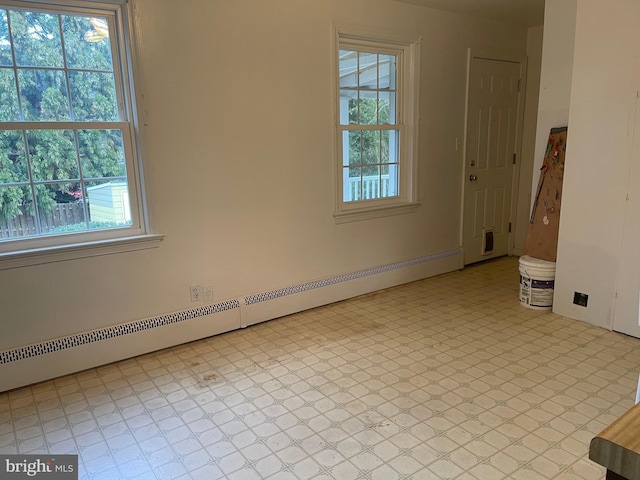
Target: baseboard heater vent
71 341
304 287
115 331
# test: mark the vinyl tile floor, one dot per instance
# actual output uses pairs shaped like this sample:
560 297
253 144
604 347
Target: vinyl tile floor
448 377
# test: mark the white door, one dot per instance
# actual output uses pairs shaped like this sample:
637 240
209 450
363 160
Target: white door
492 123
626 312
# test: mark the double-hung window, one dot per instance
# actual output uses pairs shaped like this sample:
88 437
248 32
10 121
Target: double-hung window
377 124
69 168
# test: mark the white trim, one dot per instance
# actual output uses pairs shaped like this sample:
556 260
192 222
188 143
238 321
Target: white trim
82 356
138 117
503 56
39 256
376 35
375 212
281 302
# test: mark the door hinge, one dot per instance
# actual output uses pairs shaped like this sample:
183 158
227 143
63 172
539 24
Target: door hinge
509 227
519 84
514 158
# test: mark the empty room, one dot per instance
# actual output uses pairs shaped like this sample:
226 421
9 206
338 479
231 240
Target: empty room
285 239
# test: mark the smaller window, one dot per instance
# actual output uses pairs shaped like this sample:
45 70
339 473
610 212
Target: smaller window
377 128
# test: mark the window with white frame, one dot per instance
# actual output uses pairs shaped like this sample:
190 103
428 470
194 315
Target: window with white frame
69 171
377 124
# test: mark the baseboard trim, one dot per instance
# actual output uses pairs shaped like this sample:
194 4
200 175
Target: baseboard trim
43 363
285 301
40 361
114 331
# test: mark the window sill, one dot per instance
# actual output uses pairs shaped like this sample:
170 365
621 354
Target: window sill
38 256
375 212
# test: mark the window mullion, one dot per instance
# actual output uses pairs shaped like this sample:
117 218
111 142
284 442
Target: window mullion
384 126
14 64
85 208
66 68
64 125
32 185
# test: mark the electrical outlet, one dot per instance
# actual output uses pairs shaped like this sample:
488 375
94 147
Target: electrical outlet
196 293
580 299
207 293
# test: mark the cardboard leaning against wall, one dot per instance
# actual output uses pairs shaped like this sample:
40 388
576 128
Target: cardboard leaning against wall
542 234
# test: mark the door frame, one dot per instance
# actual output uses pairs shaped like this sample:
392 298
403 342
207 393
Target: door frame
515 181
626 300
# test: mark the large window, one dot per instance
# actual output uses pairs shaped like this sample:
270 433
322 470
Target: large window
377 92
68 160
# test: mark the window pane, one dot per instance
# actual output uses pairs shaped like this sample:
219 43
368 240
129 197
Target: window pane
9 109
385 146
60 208
108 204
387 108
393 181
101 153
387 75
86 42
368 108
353 190
354 116
5 45
348 100
36 38
44 95
384 181
16 212
370 147
345 148
13 160
393 146
53 154
371 182
348 65
368 70
93 96
351 149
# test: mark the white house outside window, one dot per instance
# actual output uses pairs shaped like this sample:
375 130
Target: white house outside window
68 160
377 126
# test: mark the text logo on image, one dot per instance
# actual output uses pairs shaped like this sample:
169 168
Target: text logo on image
51 467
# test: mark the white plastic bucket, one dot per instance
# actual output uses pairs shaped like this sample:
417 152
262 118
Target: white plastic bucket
537 280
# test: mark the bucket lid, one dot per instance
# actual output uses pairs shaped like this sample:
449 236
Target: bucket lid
536 262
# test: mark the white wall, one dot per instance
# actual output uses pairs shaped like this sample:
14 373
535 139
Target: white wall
239 143
530 121
555 78
603 96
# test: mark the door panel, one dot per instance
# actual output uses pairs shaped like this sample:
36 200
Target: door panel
492 121
478 209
